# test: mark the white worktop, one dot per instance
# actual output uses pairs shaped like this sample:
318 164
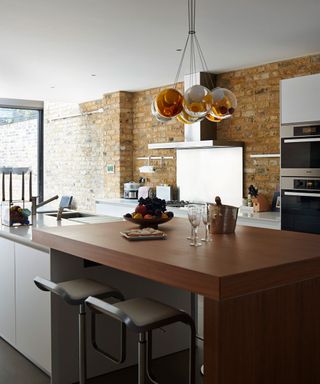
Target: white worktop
119 207
270 220
23 233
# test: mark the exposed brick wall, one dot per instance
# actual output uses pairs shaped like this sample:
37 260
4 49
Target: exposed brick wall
146 129
257 118
80 140
73 154
19 149
126 139
120 126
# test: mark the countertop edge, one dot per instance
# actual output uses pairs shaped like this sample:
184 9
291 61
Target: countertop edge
24 241
131 264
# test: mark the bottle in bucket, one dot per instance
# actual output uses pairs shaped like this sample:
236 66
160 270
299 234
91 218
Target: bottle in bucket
223 218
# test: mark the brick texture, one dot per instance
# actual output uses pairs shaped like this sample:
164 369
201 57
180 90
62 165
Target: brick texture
117 129
146 129
257 117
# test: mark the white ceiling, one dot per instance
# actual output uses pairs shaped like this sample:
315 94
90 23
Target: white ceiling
131 44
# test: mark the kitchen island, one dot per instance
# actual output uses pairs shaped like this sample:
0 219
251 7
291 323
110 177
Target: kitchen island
24 310
261 289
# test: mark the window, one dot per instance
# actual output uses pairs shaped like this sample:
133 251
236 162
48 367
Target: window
21 141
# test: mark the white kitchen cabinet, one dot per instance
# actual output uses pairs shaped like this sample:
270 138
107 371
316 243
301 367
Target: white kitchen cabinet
7 291
33 324
116 208
300 99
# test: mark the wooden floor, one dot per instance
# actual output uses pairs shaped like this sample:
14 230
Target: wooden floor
16 369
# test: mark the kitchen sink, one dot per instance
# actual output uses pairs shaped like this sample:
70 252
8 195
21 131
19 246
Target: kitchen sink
71 215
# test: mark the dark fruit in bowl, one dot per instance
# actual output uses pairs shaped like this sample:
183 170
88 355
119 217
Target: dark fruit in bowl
141 208
158 212
150 212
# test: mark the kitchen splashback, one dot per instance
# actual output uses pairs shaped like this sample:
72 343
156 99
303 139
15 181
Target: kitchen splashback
203 174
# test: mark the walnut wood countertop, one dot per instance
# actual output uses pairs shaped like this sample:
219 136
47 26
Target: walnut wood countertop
249 260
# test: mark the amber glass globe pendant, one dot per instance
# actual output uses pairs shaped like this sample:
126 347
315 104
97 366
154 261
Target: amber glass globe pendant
224 103
198 102
169 102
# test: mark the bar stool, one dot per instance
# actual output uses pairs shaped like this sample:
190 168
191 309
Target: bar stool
74 292
142 315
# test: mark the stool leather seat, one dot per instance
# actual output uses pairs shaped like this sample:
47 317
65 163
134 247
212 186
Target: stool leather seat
147 313
76 291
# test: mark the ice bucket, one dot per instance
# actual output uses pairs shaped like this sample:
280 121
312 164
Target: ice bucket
222 218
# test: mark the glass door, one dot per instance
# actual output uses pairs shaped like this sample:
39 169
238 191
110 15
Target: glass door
300 211
21 131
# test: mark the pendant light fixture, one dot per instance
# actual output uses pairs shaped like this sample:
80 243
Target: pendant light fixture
198 102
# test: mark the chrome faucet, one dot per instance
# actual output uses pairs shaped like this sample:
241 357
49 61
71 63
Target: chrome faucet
59 213
35 206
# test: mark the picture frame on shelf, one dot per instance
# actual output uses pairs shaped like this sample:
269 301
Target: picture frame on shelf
276 202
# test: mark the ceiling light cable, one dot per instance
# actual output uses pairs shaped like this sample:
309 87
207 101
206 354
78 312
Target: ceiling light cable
197 102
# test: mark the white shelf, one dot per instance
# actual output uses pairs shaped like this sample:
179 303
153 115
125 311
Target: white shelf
196 144
155 158
263 155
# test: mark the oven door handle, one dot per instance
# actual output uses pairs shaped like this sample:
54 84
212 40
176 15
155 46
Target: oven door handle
303 194
306 140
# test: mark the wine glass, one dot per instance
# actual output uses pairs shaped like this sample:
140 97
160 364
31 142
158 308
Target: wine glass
205 219
194 216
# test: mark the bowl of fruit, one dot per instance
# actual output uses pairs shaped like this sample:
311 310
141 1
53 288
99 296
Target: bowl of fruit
150 212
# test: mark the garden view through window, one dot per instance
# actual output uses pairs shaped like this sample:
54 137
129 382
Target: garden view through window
20 138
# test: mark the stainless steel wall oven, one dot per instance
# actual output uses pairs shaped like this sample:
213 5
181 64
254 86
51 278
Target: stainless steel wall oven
300 204
300 150
300 177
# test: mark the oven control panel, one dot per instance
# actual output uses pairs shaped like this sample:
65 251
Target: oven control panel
313 184
300 183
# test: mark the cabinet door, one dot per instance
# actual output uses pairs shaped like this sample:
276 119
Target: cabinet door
115 210
33 324
300 99
7 288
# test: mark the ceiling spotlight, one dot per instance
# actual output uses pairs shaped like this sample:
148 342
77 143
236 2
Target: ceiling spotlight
93 74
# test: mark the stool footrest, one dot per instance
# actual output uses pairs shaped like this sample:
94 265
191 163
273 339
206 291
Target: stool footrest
123 335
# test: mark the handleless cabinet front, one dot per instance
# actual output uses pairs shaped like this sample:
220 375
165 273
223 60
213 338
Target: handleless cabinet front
7 291
33 324
300 99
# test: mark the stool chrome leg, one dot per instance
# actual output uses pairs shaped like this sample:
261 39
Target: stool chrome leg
82 345
150 375
192 355
142 358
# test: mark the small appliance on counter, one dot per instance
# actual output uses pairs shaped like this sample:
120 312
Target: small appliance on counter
164 192
130 190
145 191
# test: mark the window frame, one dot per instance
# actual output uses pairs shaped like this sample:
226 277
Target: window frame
38 106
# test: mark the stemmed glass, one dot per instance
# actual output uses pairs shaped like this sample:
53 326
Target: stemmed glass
205 219
194 216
